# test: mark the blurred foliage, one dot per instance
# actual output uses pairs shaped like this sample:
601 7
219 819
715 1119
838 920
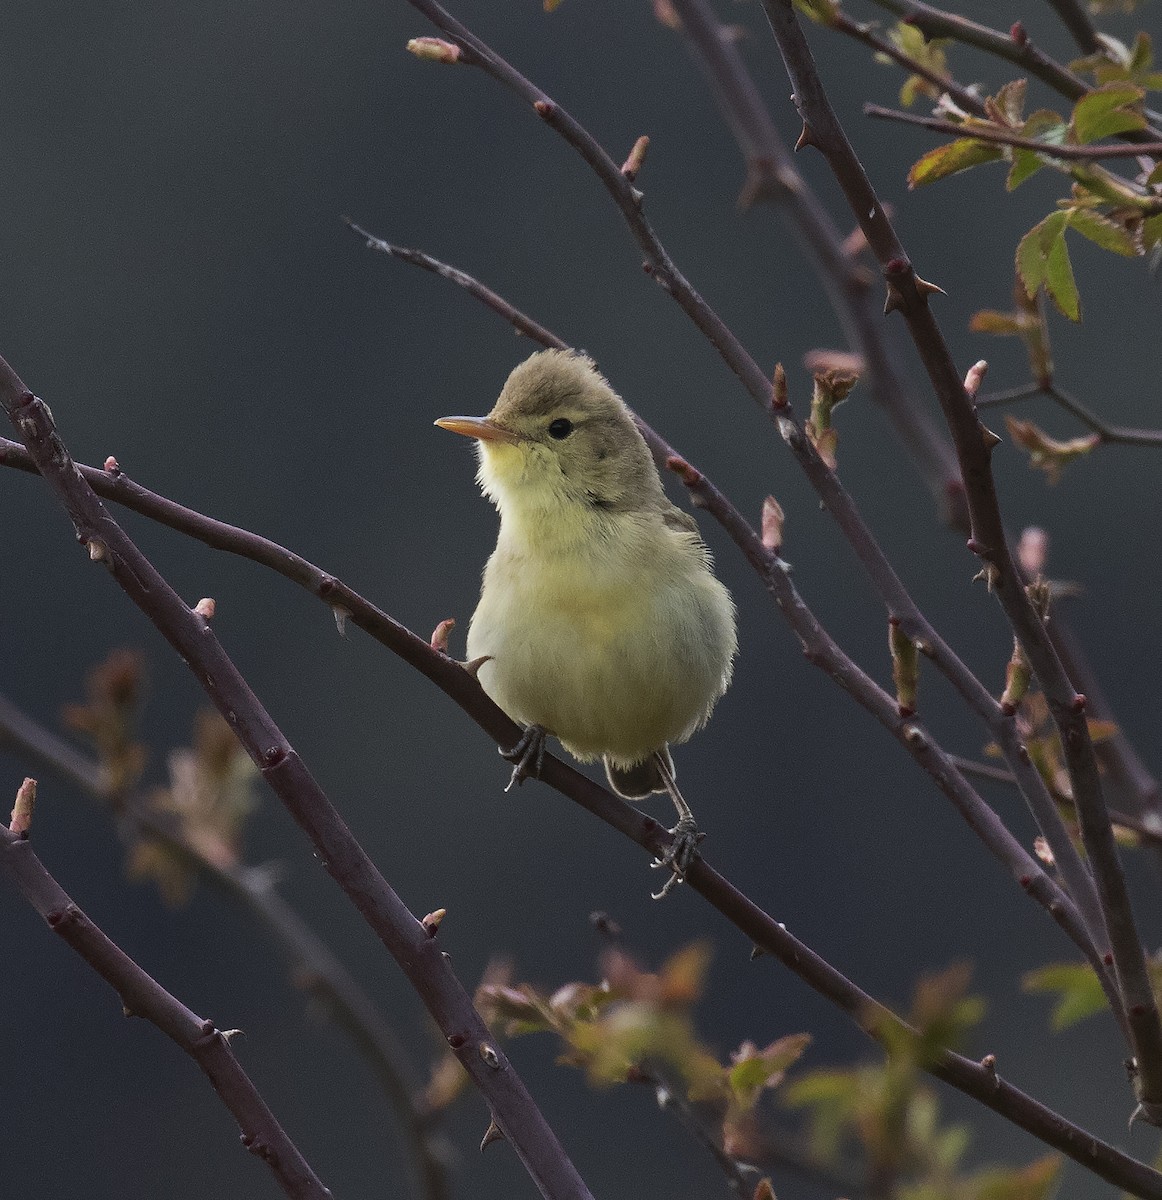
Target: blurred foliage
210 791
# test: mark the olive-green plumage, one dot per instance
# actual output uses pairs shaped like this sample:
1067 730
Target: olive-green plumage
600 616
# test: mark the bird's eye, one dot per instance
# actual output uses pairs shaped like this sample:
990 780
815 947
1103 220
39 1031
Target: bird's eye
561 428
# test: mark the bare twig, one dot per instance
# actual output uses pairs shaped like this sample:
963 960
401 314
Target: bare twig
314 966
1002 137
1075 18
970 766
1015 47
772 175
823 479
822 650
417 953
143 996
909 295
1111 435
465 690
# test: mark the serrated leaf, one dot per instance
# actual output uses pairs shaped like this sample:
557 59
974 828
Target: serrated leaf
950 159
1103 232
1107 111
1033 251
1059 281
1025 163
1079 994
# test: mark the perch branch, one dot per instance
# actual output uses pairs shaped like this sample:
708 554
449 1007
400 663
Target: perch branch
409 943
961 1073
900 605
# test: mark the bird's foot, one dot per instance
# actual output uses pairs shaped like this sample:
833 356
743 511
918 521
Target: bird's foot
527 756
679 855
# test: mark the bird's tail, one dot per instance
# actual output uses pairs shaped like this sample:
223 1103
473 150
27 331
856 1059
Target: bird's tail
641 779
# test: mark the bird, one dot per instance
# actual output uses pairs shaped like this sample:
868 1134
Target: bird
600 619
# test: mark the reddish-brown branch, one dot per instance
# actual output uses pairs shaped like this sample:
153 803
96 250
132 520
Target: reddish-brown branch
646 832
1003 137
772 175
908 295
316 969
417 953
143 996
823 479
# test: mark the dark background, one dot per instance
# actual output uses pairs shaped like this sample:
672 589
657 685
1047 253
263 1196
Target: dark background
178 286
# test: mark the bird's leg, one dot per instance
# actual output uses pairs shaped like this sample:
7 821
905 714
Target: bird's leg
528 755
684 848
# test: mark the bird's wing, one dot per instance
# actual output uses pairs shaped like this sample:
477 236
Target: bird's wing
682 522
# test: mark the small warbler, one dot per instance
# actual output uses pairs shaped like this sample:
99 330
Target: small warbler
600 621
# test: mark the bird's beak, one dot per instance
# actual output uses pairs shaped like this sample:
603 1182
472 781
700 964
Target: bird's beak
481 428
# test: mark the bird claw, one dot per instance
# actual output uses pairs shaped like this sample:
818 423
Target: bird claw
679 855
528 755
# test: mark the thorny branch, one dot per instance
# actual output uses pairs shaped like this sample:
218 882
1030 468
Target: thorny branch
143 996
410 944
900 605
961 1073
754 131
907 294
315 967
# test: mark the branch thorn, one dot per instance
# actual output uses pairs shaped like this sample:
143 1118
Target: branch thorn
340 614
492 1134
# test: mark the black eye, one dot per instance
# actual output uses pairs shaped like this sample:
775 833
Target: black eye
561 428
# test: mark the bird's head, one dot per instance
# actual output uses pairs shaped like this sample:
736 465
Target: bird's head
559 438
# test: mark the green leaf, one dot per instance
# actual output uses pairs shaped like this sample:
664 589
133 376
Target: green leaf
1034 1182
1078 991
754 1069
949 159
1025 163
1033 251
1107 111
1059 281
1152 231
1103 232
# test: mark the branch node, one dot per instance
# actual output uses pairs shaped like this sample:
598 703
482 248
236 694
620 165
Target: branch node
97 551
689 475
779 388
434 49
431 922
489 1055
112 465
545 108
205 608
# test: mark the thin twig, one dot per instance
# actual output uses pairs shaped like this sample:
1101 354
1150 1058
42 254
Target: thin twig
409 943
1015 47
1111 435
1002 137
143 996
835 498
820 647
763 150
645 831
1075 18
907 294
970 766
964 99
772 175
314 966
